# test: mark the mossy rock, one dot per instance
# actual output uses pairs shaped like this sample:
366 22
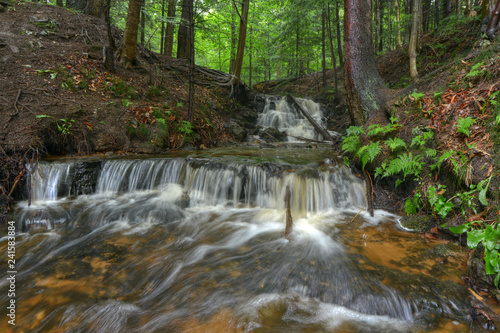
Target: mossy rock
416 222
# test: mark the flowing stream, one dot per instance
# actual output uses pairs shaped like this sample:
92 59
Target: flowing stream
195 244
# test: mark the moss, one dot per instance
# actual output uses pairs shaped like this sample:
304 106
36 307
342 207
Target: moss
416 222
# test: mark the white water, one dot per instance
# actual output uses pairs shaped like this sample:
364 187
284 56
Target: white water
132 257
279 114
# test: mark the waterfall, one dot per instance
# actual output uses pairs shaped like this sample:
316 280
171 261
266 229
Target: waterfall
278 114
211 182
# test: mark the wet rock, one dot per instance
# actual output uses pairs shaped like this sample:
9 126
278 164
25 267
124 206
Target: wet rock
183 201
85 177
236 130
272 135
416 222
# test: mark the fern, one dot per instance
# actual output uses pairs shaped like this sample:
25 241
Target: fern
464 124
350 144
395 143
407 164
417 95
376 129
475 70
369 152
355 130
446 156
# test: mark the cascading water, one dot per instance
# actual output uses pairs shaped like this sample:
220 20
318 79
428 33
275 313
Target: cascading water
196 245
279 114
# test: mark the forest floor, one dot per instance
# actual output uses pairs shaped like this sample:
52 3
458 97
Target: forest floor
56 98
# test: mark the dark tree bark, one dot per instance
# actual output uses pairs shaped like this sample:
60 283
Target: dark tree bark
109 62
183 40
415 32
59 3
169 33
426 13
129 46
234 41
241 39
366 92
191 65
398 22
381 25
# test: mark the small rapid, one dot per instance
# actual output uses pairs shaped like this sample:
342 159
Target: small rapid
195 244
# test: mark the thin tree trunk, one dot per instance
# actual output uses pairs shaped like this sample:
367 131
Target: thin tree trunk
233 39
143 25
169 33
297 51
377 23
109 62
381 25
417 12
242 38
191 63
398 21
339 36
323 62
334 62
162 33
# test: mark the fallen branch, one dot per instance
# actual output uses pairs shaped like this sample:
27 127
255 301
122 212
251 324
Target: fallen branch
317 127
289 220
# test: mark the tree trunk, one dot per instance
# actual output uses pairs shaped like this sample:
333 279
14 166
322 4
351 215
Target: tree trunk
323 60
492 25
59 3
413 47
183 40
339 36
377 23
398 21
408 10
381 25
334 62
169 33
129 46
109 62
233 39
162 32
143 26
191 63
242 38
366 92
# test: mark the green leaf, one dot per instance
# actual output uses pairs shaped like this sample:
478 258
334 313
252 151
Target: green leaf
460 229
496 280
474 237
43 116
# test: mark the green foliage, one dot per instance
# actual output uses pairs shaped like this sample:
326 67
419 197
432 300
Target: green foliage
52 73
369 152
417 96
489 235
395 143
63 125
404 163
464 124
475 70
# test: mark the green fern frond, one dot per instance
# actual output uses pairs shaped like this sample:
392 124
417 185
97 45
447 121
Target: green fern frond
407 164
464 124
395 143
350 144
355 130
369 152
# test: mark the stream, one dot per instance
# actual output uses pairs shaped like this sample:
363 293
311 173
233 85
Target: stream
194 242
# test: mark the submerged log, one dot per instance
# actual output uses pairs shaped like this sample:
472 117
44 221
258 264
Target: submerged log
317 127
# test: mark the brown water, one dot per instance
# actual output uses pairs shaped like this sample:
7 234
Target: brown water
139 260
